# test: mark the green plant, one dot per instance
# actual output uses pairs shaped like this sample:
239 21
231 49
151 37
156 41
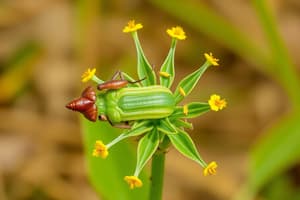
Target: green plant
149 110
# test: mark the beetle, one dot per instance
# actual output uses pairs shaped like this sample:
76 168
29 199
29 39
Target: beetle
119 104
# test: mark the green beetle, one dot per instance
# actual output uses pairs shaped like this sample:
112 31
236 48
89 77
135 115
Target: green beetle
136 103
120 104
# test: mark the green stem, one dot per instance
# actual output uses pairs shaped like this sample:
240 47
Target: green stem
157 177
157 171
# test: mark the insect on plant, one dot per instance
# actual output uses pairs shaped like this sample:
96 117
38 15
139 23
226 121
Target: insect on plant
148 109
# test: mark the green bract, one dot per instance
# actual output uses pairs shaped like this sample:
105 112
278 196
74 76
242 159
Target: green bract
153 110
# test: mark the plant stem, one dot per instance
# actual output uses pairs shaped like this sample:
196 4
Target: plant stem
157 175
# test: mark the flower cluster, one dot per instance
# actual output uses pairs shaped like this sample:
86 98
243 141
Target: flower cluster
169 129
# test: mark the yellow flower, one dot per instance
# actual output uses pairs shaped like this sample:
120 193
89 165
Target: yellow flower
176 32
133 181
185 109
131 27
88 75
164 74
210 169
209 57
216 103
100 150
182 92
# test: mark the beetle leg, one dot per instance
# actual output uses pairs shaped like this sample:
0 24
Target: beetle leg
125 125
116 74
137 81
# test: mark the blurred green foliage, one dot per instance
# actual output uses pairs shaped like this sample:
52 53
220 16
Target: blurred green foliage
17 71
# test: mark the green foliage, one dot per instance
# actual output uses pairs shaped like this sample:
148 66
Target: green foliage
195 109
182 124
168 66
147 146
189 82
282 68
157 132
166 127
18 70
144 69
106 175
185 145
138 129
275 152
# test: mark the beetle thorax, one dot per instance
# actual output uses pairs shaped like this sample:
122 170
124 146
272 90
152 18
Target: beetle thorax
100 102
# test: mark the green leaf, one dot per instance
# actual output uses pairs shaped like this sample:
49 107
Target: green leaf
195 109
107 174
281 60
137 129
147 147
166 126
168 66
276 152
180 123
185 145
143 67
129 78
189 82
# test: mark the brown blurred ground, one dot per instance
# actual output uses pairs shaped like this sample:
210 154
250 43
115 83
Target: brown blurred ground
41 154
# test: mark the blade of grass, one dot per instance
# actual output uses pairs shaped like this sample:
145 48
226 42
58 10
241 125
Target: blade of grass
106 175
275 152
282 64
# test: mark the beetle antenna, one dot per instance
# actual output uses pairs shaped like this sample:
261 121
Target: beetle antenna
137 80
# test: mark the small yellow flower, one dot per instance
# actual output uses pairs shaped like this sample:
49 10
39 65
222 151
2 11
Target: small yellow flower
176 32
131 27
185 109
210 169
209 57
133 181
164 74
100 150
88 75
182 92
216 103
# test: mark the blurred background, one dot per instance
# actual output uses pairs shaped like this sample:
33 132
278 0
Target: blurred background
45 46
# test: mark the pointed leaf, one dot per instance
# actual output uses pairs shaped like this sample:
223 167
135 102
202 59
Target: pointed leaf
195 109
143 67
146 148
168 66
180 123
185 145
166 126
138 129
107 174
189 82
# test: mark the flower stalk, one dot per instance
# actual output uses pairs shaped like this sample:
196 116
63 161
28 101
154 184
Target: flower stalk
157 175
